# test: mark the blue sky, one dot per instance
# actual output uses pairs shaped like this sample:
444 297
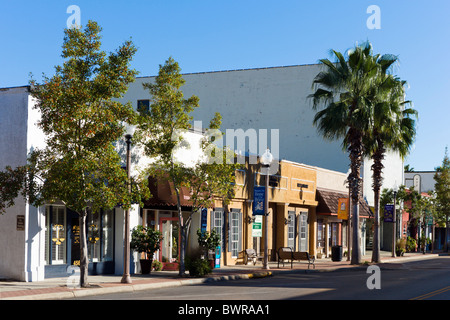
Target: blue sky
223 35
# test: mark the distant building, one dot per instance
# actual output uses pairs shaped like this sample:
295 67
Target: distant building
422 181
273 98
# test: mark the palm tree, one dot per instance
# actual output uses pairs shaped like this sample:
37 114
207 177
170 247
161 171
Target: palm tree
392 129
346 88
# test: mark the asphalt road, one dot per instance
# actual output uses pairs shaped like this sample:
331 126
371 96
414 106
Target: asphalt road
418 280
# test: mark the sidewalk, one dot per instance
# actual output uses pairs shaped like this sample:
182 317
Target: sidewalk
61 288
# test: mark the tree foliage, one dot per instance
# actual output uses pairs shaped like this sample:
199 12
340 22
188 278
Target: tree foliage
442 189
82 121
161 132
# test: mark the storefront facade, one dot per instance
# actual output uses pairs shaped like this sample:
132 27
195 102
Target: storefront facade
62 241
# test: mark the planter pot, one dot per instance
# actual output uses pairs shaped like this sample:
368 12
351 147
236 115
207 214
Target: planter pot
146 266
170 266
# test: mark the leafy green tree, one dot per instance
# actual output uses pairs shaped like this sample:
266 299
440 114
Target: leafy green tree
82 120
346 90
442 189
160 132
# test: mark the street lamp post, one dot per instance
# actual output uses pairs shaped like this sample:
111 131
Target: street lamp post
266 160
394 218
126 244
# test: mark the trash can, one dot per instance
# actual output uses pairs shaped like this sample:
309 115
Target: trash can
336 253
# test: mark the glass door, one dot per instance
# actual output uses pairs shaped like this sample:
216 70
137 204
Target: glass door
291 230
170 244
303 231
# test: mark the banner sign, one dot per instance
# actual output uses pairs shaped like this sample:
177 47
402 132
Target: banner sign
342 209
259 200
389 213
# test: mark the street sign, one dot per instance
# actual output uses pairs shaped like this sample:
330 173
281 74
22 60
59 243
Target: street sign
257 227
389 213
259 199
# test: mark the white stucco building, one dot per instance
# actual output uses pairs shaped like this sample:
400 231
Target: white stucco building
42 242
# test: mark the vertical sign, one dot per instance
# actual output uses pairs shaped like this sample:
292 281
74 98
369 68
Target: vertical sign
20 223
257 227
389 213
342 209
204 220
259 199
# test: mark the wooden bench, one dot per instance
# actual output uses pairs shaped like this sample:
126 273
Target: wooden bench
286 253
251 254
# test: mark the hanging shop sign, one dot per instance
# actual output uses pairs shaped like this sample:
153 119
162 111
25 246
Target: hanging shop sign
389 213
259 199
342 209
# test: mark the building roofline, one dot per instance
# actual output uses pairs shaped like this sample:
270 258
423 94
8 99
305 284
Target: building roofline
244 69
14 87
207 72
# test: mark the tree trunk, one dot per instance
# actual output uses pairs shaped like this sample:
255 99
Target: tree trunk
355 153
376 230
182 267
84 262
377 168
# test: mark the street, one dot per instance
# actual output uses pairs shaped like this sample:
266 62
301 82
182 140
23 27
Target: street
416 280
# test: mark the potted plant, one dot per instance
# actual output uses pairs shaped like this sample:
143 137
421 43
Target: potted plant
400 247
145 240
424 242
157 265
411 244
208 242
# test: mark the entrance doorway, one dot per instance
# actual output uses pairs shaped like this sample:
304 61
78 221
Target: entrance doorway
170 248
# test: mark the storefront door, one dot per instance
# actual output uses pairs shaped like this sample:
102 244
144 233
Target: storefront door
303 231
169 228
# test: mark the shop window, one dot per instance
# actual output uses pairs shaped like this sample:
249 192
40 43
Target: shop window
235 232
55 235
93 236
217 224
107 235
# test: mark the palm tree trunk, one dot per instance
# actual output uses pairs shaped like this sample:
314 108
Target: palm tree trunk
376 232
377 168
355 153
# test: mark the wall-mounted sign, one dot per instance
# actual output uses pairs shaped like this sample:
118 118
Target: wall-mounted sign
20 223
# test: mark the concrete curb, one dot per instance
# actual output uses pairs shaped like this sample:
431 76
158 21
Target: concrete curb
79 293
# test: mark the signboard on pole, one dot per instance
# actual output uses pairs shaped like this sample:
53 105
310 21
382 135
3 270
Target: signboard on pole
259 199
389 213
257 227
342 209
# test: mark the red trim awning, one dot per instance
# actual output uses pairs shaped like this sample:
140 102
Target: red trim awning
328 203
163 194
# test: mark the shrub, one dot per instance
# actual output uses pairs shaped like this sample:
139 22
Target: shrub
157 265
411 244
198 267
